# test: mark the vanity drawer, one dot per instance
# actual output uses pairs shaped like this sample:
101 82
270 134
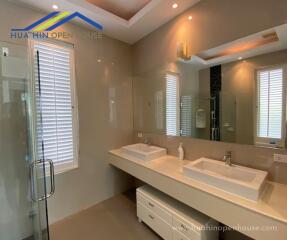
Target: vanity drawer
179 236
188 230
154 222
155 207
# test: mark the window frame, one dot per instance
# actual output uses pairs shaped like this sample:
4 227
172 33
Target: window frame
74 164
266 142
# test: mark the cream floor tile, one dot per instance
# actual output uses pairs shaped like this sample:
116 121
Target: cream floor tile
112 219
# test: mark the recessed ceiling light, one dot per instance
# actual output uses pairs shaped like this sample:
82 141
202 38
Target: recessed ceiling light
189 18
175 5
99 60
55 7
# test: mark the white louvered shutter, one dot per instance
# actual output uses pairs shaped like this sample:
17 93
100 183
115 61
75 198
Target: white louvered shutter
56 104
186 116
172 105
270 97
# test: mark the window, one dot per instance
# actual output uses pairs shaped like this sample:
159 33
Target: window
56 104
172 105
270 107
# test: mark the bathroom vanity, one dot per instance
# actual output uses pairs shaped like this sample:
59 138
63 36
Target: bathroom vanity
262 219
228 97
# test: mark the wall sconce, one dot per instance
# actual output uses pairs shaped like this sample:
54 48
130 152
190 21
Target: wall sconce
182 51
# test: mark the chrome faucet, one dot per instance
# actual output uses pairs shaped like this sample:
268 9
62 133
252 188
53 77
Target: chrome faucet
227 158
147 141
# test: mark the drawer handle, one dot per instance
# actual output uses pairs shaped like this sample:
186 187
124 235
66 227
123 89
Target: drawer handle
151 217
151 204
184 227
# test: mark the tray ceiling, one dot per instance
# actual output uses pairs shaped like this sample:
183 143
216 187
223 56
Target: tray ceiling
121 8
126 20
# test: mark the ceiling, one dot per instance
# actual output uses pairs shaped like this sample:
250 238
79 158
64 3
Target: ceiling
126 20
120 7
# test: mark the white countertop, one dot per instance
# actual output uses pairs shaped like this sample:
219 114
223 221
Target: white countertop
273 202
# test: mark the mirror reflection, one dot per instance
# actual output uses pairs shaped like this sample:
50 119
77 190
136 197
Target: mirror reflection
234 93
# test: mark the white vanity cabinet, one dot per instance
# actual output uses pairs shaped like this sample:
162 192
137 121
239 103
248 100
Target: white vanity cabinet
171 219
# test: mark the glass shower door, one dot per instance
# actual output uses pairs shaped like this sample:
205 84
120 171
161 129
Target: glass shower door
23 207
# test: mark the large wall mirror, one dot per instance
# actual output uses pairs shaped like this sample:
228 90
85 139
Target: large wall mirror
234 93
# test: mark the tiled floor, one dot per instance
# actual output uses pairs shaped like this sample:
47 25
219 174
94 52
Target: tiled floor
112 219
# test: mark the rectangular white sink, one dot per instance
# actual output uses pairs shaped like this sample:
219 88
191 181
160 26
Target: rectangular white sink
245 182
144 152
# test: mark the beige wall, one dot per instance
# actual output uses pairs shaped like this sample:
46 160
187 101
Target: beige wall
99 131
214 23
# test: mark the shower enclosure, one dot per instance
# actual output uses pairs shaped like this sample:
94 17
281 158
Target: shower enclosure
23 171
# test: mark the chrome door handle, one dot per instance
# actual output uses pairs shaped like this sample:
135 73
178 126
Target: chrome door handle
34 165
52 178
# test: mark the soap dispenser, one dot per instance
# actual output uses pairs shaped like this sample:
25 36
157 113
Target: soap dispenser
180 152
